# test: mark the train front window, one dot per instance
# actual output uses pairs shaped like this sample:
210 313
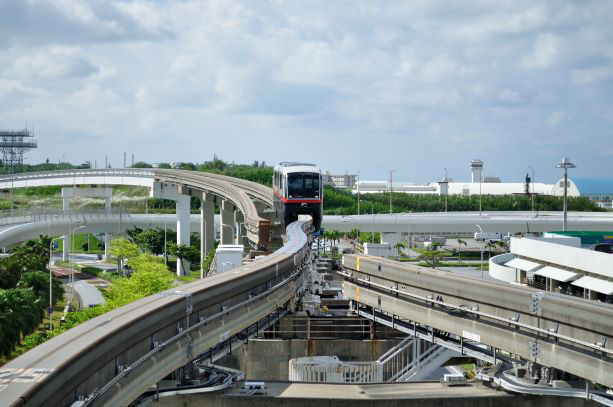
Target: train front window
303 185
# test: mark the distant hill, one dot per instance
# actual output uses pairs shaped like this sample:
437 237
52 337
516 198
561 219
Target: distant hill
591 186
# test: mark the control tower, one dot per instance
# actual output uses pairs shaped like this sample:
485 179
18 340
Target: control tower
13 143
476 167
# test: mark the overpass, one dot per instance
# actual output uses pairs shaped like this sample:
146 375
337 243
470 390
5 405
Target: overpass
244 206
552 330
464 222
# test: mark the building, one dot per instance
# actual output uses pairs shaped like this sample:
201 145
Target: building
559 263
597 190
479 184
346 181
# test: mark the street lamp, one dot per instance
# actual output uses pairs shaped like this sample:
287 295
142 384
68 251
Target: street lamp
50 311
358 186
391 189
357 227
482 240
566 164
532 187
71 256
447 192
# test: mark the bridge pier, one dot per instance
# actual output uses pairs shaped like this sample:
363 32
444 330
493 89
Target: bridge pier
207 227
239 221
227 222
172 192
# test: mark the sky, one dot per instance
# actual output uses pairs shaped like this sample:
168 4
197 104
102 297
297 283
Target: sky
369 86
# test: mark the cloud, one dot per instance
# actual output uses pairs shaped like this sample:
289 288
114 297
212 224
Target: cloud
544 53
57 63
411 83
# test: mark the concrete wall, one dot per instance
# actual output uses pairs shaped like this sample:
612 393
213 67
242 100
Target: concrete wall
220 400
501 272
268 359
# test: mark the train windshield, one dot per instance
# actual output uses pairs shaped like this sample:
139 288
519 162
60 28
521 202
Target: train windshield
303 185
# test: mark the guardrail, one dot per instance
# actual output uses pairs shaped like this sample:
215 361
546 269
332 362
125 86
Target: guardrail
51 214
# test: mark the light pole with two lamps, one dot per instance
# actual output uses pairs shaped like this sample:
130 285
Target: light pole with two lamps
566 164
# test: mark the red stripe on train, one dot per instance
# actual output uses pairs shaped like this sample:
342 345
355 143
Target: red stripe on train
296 200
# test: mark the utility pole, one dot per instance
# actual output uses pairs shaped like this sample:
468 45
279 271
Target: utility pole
124 160
532 195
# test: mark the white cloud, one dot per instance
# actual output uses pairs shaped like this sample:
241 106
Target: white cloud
544 53
428 75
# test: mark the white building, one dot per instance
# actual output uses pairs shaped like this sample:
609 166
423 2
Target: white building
487 186
557 264
346 181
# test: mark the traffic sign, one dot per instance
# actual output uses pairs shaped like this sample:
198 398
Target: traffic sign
55 244
49 310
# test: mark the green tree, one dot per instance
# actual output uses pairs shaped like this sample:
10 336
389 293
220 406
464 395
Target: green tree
20 313
123 249
38 282
185 254
141 164
431 257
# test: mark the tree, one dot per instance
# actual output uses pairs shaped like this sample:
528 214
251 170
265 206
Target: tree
38 282
399 246
490 246
20 314
164 165
185 254
431 257
141 164
460 243
123 249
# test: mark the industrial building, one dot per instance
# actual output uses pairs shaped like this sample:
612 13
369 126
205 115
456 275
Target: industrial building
478 184
346 181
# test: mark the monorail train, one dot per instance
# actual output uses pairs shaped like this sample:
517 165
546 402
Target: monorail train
298 190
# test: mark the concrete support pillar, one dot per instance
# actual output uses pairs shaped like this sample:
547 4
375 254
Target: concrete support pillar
207 227
183 229
553 284
66 240
107 237
227 221
239 222
107 245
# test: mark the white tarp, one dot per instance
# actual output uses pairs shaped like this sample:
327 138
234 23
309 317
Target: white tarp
556 274
522 264
595 284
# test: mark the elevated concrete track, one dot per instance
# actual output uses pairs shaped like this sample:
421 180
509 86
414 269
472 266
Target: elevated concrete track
566 333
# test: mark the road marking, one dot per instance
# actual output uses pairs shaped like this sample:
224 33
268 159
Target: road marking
21 375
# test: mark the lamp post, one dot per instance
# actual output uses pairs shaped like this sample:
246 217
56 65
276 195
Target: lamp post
481 232
480 178
391 188
372 239
357 227
51 285
566 164
532 195
447 183
71 256
358 186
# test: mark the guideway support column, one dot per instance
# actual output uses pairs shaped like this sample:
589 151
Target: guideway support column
171 192
207 227
239 221
227 222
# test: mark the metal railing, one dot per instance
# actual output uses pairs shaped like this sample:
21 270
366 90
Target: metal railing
13 217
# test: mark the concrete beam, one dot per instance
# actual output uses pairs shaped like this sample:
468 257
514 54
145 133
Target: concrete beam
239 222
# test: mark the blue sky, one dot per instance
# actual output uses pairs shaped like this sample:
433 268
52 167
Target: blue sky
351 85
